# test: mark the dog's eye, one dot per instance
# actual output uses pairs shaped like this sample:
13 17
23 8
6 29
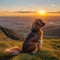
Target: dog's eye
37 23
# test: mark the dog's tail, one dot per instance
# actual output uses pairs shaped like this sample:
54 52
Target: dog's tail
10 33
12 52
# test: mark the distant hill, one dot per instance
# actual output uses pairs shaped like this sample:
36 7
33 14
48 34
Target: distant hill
4 37
52 31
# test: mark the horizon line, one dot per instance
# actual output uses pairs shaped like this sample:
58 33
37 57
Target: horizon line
28 11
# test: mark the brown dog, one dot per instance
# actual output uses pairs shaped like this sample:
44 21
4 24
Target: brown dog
33 41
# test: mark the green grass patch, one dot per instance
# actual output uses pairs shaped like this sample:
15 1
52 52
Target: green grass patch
49 51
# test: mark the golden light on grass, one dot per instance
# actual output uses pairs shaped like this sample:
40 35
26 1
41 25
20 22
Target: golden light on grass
41 12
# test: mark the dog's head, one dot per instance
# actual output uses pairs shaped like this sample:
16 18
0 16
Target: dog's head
37 24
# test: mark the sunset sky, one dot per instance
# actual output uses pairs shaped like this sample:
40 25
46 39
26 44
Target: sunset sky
16 5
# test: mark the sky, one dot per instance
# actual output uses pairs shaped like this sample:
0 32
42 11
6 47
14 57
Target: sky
48 5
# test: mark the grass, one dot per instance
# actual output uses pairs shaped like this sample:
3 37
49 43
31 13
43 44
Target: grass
50 50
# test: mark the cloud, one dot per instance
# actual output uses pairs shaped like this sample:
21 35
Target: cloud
53 5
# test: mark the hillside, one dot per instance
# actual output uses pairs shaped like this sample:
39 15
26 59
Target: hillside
50 50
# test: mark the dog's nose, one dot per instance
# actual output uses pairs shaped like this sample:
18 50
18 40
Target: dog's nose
43 24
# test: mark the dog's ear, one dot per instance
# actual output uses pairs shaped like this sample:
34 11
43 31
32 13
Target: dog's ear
35 26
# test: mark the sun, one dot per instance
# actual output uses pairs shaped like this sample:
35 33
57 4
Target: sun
41 12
